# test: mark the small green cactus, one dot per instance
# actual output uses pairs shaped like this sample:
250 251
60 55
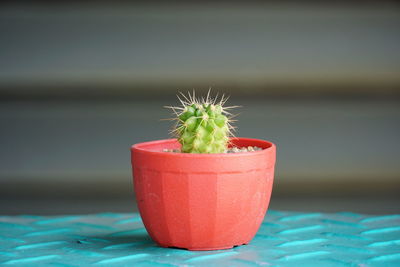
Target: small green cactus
202 125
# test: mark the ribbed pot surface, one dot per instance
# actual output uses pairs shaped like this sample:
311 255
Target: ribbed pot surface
202 201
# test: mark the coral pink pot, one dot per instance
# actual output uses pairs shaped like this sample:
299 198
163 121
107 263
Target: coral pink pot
202 201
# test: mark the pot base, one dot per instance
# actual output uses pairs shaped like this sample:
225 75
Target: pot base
205 249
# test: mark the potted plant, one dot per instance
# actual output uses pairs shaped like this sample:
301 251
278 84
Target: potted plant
190 192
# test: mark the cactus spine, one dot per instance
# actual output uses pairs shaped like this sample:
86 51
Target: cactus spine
202 125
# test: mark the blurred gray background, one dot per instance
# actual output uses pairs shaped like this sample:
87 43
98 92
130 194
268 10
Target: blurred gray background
80 82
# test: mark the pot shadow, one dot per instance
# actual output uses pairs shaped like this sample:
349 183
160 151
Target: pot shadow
107 243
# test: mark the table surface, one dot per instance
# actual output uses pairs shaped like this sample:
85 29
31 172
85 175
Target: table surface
284 239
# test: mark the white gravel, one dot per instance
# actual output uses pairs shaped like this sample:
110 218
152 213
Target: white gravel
230 150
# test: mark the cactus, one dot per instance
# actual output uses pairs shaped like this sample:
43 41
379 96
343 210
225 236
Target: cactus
202 125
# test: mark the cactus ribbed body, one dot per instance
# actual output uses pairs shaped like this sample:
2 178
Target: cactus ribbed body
203 128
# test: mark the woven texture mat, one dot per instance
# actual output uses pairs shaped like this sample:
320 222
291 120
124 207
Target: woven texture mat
284 239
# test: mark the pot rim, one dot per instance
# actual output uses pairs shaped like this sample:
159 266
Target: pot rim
140 147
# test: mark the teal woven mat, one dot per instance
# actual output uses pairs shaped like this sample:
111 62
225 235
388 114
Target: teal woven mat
284 239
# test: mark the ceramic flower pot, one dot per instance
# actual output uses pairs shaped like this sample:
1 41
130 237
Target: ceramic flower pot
202 201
